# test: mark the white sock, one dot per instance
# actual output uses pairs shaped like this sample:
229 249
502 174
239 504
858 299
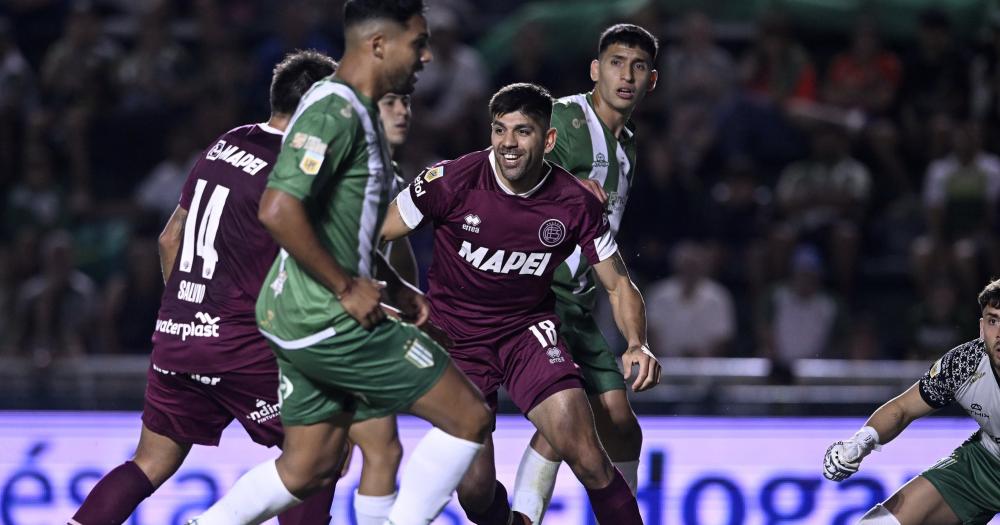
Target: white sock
257 496
372 510
431 475
879 515
533 486
630 471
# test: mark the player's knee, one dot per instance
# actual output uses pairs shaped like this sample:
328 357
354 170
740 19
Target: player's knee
878 515
587 460
304 475
476 423
625 429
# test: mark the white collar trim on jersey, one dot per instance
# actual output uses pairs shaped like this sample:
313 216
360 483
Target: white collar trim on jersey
269 128
503 184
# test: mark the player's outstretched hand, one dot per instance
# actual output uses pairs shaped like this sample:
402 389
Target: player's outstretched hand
843 458
648 375
361 301
596 188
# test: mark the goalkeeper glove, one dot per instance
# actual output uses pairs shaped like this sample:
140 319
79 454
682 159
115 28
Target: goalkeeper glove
844 457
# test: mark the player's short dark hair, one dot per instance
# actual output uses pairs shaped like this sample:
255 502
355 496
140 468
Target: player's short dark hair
990 296
531 99
294 75
359 11
629 35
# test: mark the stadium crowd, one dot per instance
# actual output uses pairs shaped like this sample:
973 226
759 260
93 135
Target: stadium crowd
831 196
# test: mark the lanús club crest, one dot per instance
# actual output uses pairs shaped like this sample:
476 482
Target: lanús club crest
552 232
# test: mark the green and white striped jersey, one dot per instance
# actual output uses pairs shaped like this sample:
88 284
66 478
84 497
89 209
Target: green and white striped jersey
589 150
334 157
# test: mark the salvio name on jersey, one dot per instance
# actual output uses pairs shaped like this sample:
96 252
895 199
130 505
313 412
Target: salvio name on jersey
501 261
232 154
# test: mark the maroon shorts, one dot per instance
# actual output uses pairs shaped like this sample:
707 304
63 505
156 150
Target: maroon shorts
196 408
531 364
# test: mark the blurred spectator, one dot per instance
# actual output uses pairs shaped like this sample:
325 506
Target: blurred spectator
158 193
739 213
451 94
77 84
937 80
18 98
36 201
298 27
938 322
778 74
778 68
864 81
866 77
156 76
55 310
986 83
799 318
822 200
698 76
132 300
961 194
530 61
690 314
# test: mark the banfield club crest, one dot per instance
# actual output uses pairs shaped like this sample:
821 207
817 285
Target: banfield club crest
552 232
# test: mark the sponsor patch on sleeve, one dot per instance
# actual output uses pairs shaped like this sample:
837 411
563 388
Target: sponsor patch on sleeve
434 173
935 368
298 140
310 163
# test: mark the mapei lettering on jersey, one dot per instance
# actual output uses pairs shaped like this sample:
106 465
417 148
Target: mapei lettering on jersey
232 154
207 328
265 411
191 292
501 261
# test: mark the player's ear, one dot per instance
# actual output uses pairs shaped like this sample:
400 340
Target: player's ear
550 139
595 68
653 77
376 42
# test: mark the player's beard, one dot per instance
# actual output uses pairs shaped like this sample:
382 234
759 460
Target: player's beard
405 82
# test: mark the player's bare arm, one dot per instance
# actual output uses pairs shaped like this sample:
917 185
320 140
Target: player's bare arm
630 316
893 417
170 241
393 226
843 458
285 218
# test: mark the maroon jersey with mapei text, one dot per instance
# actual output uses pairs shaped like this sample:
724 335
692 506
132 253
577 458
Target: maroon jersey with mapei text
206 321
495 251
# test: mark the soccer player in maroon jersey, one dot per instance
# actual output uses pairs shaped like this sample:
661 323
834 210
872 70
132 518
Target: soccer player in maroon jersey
504 219
210 364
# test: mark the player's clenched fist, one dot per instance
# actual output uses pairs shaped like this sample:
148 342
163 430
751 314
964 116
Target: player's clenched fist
361 300
844 457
